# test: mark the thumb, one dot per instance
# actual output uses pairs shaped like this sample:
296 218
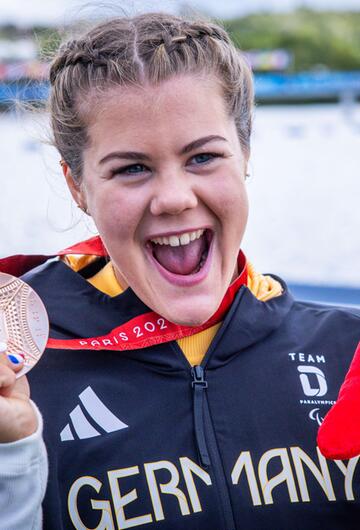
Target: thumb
15 361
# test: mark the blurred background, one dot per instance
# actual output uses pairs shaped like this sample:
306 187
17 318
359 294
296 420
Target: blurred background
305 165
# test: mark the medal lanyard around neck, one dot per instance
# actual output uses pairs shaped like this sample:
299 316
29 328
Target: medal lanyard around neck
149 328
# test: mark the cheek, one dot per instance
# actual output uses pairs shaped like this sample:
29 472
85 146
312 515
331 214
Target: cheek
242 205
117 213
231 203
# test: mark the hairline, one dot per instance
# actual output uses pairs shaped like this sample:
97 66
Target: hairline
97 97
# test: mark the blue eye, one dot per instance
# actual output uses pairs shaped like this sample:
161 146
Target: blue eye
205 158
134 169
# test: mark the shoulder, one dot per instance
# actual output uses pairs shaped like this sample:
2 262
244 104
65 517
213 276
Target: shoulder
55 275
332 329
329 321
328 312
64 292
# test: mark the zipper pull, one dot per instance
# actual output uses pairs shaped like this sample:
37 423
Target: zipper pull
199 385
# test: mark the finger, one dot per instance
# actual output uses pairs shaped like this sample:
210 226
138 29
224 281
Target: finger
10 364
21 388
10 385
15 361
7 380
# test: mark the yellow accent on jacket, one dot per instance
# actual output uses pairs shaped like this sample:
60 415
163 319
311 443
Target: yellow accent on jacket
195 346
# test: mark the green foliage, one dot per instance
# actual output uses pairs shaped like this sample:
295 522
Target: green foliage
326 39
329 39
48 41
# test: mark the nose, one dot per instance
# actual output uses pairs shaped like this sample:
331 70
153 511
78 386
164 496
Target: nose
173 194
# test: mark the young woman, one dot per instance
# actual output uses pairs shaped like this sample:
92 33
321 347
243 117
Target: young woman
180 389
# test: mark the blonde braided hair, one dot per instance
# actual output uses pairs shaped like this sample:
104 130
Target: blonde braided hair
132 51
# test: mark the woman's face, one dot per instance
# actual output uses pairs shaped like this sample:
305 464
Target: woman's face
164 182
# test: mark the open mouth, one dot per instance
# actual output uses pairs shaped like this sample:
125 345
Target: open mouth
183 254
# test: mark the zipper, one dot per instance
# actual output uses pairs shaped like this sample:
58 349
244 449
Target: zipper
200 385
207 445
206 442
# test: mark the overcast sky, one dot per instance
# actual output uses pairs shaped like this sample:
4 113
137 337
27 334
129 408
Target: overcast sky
26 12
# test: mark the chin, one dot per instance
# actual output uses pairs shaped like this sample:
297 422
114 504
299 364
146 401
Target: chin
191 322
193 318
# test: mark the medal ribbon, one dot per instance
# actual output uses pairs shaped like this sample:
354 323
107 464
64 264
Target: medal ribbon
142 331
149 328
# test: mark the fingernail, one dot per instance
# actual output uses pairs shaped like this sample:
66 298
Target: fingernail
15 358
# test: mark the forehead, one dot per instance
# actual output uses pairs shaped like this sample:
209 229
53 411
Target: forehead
176 107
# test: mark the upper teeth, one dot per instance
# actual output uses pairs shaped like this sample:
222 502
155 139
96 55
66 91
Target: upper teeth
182 239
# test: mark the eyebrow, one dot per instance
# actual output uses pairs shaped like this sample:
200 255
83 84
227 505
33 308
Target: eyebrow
134 155
200 142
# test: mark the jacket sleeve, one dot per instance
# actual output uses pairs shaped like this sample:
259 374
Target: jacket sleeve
23 477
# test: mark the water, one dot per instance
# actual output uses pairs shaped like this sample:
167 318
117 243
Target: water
304 193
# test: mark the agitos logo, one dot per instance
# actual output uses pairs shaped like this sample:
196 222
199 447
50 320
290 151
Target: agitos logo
313 381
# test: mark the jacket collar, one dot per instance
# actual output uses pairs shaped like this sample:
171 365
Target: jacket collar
91 313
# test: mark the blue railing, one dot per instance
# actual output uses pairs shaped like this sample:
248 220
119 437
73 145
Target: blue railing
23 91
305 85
325 294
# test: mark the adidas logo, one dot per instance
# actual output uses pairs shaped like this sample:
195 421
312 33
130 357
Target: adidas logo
80 427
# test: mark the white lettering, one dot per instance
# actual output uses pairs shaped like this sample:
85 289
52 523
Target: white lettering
120 501
310 359
138 331
161 323
170 488
285 475
106 522
322 476
306 357
320 359
244 462
348 472
189 468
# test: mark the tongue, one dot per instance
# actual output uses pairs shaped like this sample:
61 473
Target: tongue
182 259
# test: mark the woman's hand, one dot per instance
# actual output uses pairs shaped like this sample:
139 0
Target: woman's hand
17 416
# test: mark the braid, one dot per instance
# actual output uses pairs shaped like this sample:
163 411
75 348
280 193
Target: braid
133 51
209 30
75 52
171 43
194 31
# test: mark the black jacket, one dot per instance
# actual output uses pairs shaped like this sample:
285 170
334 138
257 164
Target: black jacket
141 439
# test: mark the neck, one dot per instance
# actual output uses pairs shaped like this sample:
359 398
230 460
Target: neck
119 278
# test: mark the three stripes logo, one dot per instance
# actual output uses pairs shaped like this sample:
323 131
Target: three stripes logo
80 427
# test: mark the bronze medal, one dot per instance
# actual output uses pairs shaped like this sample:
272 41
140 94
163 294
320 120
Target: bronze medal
24 324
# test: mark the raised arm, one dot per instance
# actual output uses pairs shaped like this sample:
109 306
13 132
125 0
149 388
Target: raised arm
23 459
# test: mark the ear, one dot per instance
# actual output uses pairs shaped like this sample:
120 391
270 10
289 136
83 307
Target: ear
76 189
